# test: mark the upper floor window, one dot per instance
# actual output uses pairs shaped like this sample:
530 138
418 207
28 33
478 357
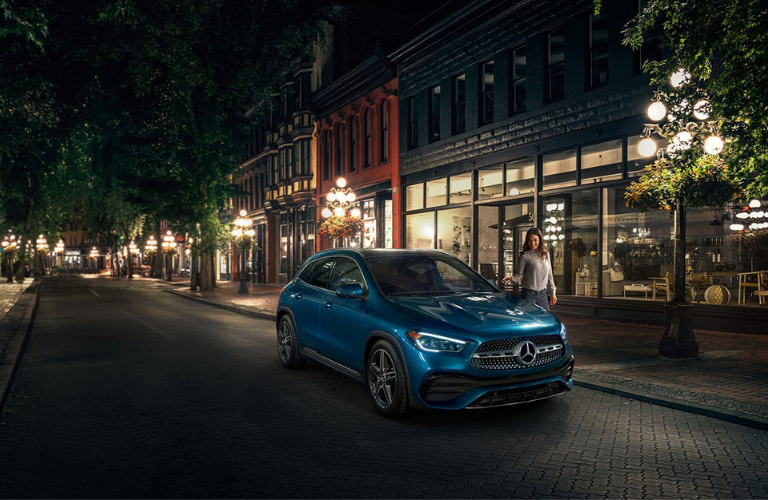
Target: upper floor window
556 65
383 131
337 138
352 144
518 73
326 155
459 100
413 124
367 144
486 92
434 114
598 51
651 48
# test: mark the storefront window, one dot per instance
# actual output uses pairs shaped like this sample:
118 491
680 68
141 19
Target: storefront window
490 183
369 223
420 230
436 193
601 162
520 176
387 223
454 232
488 241
559 169
461 188
414 197
636 248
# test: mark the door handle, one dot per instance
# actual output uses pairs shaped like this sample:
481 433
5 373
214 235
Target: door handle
297 296
328 304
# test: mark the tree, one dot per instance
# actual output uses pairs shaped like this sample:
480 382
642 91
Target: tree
724 47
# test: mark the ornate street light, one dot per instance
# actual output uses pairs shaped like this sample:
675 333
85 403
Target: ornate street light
10 247
686 125
169 250
133 251
243 236
150 248
341 213
95 256
60 250
41 250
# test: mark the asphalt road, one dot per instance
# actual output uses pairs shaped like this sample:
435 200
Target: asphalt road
126 391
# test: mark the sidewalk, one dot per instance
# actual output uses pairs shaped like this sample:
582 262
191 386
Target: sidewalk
727 381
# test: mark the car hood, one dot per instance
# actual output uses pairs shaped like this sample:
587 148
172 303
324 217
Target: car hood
493 315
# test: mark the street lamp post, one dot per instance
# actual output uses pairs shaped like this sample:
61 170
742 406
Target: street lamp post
133 251
10 247
339 203
60 252
41 250
243 236
150 248
678 340
169 249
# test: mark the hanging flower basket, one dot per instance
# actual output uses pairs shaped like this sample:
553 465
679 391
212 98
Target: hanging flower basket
345 226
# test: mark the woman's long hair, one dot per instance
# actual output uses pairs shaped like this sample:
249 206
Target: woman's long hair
541 251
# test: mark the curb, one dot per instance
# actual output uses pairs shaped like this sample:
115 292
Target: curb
254 313
677 404
8 368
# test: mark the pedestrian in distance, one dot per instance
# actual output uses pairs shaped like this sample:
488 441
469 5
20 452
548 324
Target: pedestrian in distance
534 271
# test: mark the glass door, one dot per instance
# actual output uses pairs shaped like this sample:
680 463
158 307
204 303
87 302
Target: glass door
518 219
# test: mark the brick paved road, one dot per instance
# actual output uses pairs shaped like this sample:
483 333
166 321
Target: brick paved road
127 391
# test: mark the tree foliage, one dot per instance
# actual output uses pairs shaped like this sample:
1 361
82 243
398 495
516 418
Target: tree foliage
112 110
723 44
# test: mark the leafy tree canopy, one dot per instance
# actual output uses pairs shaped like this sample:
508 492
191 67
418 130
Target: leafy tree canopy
723 44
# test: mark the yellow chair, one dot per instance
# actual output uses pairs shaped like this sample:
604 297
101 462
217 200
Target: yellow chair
698 283
749 281
663 285
762 292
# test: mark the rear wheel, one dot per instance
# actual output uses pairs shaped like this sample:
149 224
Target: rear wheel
287 344
386 380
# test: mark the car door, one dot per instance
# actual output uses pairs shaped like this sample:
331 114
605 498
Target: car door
309 296
342 320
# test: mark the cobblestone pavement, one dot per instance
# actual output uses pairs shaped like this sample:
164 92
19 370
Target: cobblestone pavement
125 391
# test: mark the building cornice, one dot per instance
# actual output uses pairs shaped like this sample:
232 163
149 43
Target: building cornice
365 77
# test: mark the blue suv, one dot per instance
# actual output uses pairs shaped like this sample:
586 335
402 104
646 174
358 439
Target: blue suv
421 329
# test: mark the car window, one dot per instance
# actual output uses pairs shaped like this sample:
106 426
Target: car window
306 272
425 274
346 271
321 273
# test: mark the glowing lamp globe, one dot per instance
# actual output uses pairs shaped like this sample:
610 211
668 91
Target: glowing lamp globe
646 147
331 197
355 212
754 204
338 212
700 110
713 145
351 197
341 182
657 111
679 78
736 227
682 140
326 212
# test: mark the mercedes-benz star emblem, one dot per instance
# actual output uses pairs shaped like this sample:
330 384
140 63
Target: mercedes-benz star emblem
525 352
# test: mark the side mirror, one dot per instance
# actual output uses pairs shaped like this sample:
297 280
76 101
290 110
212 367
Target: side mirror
350 291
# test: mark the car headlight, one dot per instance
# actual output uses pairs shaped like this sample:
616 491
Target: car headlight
430 342
562 331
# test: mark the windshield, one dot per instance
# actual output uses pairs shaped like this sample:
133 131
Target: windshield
425 274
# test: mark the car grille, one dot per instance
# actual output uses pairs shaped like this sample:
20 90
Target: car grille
504 354
518 395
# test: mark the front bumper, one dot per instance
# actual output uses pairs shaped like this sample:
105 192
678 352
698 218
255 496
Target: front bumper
456 391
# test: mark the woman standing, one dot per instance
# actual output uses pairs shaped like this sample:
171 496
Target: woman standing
534 271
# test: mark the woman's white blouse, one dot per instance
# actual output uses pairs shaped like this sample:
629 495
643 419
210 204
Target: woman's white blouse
534 273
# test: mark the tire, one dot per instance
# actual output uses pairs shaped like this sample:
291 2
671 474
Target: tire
288 344
386 380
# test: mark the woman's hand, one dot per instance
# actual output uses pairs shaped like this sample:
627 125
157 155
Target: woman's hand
552 299
506 280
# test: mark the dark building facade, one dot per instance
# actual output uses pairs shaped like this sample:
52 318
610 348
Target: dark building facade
516 114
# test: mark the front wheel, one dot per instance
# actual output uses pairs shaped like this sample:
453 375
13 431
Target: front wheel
288 344
386 380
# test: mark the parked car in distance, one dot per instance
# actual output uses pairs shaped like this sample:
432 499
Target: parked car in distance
421 329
